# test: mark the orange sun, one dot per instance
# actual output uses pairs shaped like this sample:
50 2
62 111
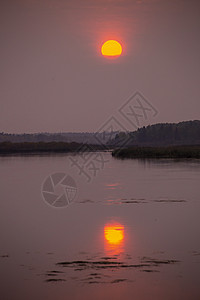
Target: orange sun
111 48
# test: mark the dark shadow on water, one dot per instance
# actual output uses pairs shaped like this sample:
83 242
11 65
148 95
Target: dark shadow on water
145 264
55 280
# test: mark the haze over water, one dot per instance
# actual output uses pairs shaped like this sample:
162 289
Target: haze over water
130 231
133 231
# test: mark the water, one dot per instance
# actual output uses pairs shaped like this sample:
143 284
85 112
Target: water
132 232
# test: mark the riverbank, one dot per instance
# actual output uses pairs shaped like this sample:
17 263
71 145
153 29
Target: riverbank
158 152
42 147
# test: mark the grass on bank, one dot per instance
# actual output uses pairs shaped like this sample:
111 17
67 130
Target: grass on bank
158 152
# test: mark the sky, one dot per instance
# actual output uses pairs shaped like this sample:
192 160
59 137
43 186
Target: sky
53 77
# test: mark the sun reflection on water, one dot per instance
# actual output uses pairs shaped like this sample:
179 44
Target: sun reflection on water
114 238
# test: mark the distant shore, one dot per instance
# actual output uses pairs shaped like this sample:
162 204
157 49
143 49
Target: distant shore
188 151
158 152
43 147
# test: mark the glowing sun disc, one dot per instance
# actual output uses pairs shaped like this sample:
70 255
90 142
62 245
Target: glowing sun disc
111 48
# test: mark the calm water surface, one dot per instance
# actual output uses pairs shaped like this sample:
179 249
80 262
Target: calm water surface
131 233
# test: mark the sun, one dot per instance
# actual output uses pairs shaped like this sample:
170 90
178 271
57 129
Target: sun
111 48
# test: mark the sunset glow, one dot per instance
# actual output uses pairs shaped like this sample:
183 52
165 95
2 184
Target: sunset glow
111 48
114 234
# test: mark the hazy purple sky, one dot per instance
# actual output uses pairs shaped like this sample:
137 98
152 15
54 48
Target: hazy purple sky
53 77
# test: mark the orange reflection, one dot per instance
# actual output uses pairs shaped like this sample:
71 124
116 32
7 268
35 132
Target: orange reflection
114 238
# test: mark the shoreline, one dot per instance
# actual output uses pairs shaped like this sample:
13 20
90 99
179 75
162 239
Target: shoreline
177 152
26 148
